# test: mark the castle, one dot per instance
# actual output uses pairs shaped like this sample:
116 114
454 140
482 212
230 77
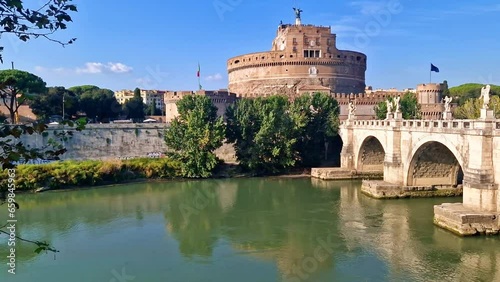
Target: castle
301 56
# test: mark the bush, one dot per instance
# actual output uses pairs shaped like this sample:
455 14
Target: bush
88 173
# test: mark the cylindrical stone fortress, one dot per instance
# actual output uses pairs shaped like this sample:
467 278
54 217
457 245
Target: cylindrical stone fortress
301 55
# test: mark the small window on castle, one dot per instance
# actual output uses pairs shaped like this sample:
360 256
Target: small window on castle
295 41
282 56
263 57
237 61
338 56
358 58
317 54
306 53
291 56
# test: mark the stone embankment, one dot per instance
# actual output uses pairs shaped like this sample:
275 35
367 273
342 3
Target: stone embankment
462 221
384 190
337 173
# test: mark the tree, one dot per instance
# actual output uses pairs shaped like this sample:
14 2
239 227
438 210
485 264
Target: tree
152 110
51 103
79 90
33 22
194 135
409 107
17 87
264 133
98 103
446 90
464 92
26 23
317 119
137 93
471 109
135 107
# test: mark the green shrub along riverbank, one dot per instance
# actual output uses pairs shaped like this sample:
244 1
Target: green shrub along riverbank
66 174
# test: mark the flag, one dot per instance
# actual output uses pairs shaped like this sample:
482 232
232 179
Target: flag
434 68
198 73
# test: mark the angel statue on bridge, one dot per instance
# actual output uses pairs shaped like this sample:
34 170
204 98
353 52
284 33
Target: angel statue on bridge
398 105
389 106
485 94
447 100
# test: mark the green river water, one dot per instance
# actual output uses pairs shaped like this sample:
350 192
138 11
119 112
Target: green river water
262 229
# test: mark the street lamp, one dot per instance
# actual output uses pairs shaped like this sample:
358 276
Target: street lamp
63 107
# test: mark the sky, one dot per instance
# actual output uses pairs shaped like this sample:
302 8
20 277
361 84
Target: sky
157 44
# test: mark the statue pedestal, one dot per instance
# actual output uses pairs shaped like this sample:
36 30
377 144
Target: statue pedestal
389 116
351 117
487 114
447 116
398 116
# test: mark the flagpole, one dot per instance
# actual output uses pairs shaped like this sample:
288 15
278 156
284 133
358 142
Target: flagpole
430 75
199 75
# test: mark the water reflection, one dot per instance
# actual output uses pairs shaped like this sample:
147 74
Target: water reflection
304 229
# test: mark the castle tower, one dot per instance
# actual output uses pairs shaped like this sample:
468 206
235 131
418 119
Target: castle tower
429 97
430 93
301 54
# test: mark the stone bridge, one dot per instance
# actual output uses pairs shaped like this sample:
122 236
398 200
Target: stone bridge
426 155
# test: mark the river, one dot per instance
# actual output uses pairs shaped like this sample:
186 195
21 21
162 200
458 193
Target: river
261 229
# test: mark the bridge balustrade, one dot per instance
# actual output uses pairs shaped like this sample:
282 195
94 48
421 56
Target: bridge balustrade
423 124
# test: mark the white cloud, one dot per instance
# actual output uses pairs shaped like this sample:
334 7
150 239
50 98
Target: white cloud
88 68
96 67
369 7
474 9
214 77
119 68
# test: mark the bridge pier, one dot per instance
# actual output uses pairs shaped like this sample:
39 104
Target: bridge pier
480 210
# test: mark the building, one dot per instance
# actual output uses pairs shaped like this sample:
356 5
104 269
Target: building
220 98
148 97
300 55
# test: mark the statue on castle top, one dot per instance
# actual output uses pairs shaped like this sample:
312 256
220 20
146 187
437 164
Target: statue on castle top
297 12
352 110
389 106
447 101
398 105
485 94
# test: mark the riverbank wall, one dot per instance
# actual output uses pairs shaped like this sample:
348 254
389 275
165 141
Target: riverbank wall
114 141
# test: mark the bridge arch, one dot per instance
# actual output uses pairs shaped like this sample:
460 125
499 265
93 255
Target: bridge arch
434 161
371 155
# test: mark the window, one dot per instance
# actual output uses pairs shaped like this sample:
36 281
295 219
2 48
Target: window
312 54
294 41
